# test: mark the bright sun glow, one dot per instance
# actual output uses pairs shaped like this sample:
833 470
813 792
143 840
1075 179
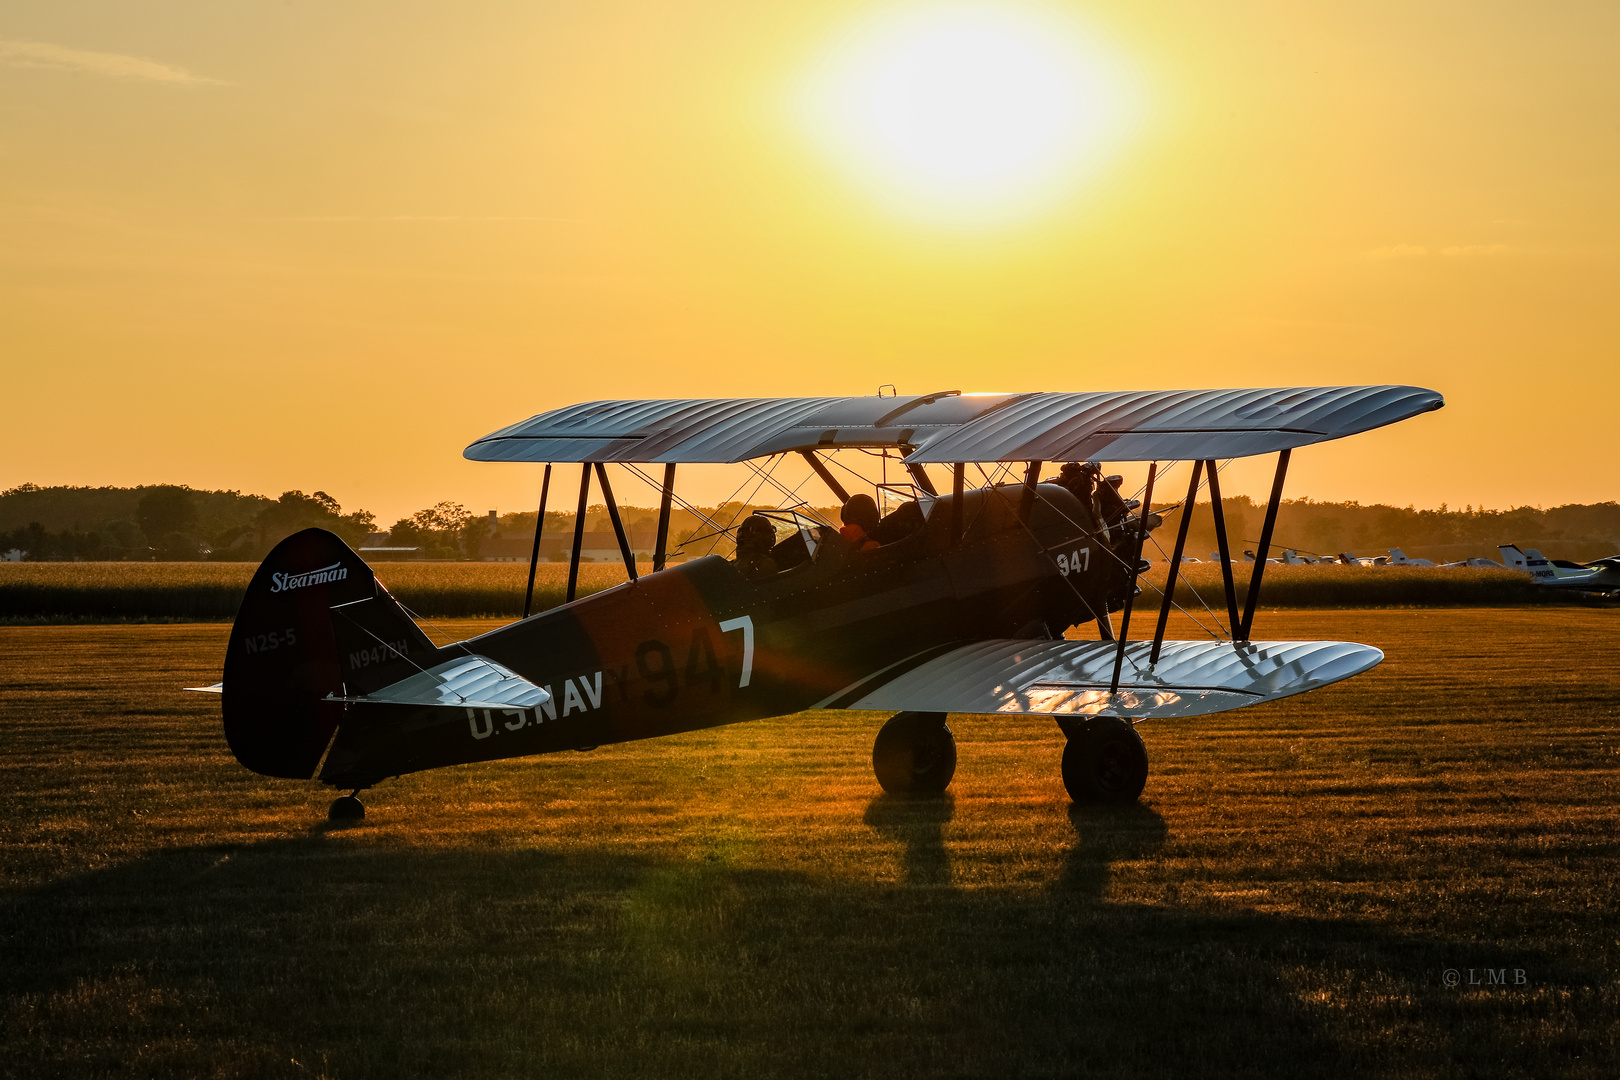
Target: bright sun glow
968 114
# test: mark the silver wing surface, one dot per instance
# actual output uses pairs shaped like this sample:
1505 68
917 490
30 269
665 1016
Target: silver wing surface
468 681
1071 678
949 426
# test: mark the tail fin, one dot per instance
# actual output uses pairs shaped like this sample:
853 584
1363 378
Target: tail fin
315 622
1513 558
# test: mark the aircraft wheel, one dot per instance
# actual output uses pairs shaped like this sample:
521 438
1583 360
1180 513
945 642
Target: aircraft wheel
1105 762
914 754
346 810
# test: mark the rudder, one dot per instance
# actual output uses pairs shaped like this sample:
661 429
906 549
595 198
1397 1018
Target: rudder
290 651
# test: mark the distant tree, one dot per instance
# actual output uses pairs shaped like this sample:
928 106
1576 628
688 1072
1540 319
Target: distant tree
473 531
444 517
405 534
168 516
294 511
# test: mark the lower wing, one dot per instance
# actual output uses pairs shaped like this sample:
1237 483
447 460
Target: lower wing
1073 678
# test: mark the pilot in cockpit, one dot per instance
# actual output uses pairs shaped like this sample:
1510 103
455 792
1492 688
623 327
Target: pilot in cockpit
860 518
755 538
1099 493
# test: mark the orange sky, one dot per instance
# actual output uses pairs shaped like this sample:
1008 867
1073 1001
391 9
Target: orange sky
293 244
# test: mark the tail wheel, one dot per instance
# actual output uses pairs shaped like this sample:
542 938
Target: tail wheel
1105 762
914 754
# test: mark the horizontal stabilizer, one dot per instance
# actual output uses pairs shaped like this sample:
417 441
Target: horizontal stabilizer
217 688
1071 678
467 681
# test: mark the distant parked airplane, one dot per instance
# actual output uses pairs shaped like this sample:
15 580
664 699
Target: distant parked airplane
1397 557
1600 576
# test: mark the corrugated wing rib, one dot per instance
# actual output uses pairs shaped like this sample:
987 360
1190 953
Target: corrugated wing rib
948 427
1071 678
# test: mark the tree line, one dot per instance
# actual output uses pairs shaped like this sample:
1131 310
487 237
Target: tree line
174 522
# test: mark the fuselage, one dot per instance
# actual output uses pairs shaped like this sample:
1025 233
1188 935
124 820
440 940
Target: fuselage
699 644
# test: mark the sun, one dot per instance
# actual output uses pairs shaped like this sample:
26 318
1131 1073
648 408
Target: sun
971 114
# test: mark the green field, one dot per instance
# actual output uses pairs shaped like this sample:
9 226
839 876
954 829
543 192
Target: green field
128 591
744 902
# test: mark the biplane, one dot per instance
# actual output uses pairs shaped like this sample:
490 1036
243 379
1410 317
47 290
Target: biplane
958 604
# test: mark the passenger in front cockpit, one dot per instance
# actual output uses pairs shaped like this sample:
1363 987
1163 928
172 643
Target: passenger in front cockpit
755 538
1101 495
860 518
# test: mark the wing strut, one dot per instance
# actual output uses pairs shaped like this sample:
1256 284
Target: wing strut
1026 505
1175 562
826 475
661 549
534 555
1220 539
958 480
1265 546
618 523
1136 564
579 531
920 475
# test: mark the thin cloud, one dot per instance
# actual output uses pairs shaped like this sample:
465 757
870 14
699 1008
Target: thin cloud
38 54
1465 251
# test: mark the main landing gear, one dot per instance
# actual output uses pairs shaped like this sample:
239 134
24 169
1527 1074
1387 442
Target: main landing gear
347 809
1104 761
914 754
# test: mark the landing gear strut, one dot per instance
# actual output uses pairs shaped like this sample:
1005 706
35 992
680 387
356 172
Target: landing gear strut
347 809
914 754
1104 761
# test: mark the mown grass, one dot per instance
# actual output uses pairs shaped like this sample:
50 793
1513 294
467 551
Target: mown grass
744 902
137 592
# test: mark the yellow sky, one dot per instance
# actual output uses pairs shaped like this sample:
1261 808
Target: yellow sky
292 244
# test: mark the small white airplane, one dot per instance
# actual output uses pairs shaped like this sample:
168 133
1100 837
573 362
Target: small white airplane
1475 564
1397 557
1600 576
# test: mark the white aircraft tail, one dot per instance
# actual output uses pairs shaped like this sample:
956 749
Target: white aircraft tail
1513 558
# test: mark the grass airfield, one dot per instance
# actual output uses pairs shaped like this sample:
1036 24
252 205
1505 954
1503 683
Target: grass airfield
1286 901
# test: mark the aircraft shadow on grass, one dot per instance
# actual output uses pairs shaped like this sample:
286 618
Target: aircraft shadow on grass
392 961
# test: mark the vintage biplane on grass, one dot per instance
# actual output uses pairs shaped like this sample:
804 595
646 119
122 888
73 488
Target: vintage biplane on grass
962 609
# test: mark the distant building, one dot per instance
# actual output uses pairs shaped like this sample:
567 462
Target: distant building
506 549
14 555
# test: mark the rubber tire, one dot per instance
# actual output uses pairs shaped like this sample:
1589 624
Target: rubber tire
914 754
1105 763
346 810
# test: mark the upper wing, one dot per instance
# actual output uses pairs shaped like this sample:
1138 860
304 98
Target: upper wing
949 426
1071 678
